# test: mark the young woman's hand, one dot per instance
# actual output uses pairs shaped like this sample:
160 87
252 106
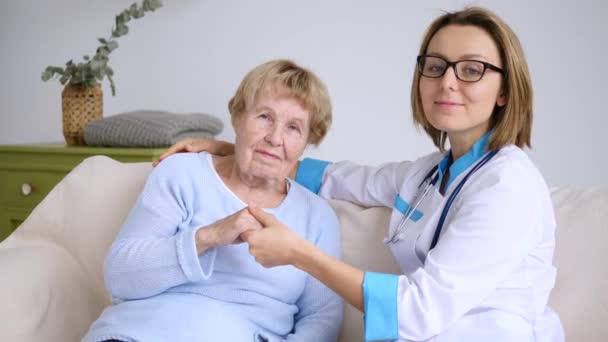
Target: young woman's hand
220 148
273 245
226 231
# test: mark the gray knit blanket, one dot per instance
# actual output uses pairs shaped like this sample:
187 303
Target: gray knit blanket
148 128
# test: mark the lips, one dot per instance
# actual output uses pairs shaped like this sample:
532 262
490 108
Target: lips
268 154
448 103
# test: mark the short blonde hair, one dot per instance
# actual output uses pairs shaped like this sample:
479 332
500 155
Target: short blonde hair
512 123
285 77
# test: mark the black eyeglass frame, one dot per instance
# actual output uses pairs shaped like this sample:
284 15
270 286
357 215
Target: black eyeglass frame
449 64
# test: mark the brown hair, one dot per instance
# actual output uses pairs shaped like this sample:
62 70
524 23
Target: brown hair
512 123
285 77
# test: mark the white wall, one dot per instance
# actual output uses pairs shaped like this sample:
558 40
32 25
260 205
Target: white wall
191 55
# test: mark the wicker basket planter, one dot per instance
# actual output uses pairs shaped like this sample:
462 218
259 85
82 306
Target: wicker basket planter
80 105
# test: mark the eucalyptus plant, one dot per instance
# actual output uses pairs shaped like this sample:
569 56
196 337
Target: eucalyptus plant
93 69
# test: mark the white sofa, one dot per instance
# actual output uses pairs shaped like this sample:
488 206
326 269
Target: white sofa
51 285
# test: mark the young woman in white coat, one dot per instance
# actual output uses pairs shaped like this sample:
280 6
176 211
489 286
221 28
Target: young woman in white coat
472 227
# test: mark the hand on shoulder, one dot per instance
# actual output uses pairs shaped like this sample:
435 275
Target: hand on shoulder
216 147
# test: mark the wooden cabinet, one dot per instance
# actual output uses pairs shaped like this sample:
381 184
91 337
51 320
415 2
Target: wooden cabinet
29 172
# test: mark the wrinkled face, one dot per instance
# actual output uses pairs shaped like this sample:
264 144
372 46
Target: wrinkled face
458 107
271 137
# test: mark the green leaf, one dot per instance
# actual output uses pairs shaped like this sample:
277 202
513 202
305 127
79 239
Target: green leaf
112 45
102 53
99 75
97 65
90 82
70 70
138 14
133 10
155 4
52 70
112 85
102 41
46 75
63 79
124 17
120 30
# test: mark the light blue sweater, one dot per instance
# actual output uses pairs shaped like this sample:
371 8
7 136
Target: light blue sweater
163 291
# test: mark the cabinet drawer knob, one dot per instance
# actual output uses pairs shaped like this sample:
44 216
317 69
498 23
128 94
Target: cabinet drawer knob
26 189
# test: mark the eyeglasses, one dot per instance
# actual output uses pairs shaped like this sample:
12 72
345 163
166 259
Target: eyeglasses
465 70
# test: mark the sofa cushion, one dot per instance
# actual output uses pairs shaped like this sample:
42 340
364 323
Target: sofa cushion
580 296
362 233
48 296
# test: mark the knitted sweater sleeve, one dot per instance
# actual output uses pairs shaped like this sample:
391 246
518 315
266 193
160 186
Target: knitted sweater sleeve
151 253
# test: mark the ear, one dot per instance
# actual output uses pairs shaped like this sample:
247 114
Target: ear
236 119
233 119
501 100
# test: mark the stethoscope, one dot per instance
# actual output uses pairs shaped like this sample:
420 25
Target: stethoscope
430 180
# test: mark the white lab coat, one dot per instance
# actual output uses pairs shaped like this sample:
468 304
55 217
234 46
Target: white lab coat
490 275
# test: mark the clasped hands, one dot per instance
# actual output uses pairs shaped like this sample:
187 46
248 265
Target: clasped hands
271 243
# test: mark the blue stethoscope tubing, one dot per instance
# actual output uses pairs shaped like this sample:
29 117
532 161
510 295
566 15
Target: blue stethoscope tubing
432 177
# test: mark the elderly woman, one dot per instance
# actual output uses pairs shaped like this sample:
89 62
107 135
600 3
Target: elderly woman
178 271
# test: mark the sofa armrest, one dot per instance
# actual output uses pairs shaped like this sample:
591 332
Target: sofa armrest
45 295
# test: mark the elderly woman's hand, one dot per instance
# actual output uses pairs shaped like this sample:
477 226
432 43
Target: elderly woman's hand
273 245
226 231
217 147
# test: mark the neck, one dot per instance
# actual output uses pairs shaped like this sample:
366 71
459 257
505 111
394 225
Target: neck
264 192
460 147
462 142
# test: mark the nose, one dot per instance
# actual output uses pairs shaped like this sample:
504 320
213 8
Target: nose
449 79
274 136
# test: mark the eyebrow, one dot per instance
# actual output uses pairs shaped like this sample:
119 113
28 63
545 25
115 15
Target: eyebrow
268 109
298 120
263 108
463 57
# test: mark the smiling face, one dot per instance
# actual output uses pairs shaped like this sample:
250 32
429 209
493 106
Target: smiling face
459 108
271 136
